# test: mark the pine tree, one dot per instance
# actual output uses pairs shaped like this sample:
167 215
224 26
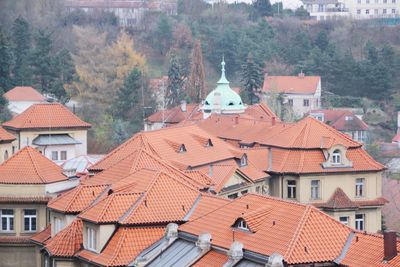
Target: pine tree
22 44
5 114
42 63
252 78
65 69
196 87
263 7
5 61
175 82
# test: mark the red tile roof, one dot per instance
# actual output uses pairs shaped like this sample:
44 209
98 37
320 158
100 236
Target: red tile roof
124 246
66 242
339 200
77 199
212 258
47 116
24 93
291 84
396 138
41 237
25 199
5 136
305 233
342 120
174 115
29 166
15 240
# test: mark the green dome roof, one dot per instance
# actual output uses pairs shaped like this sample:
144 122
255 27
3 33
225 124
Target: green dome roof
223 99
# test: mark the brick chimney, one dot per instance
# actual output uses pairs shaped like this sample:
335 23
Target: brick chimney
389 245
273 120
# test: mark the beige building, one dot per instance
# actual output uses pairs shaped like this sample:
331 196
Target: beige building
7 149
51 128
28 181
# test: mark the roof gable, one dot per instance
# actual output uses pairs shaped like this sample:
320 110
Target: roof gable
29 166
291 84
24 93
6 136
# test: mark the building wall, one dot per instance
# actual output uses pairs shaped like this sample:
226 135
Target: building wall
18 256
373 218
103 234
20 106
298 102
3 148
357 8
21 190
65 218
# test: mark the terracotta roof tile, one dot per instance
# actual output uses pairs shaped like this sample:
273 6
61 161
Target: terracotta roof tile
174 115
124 246
77 199
25 199
212 258
367 250
305 233
48 116
342 120
66 242
5 136
15 240
339 200
43 236
291 84
255 218
24 93
29 166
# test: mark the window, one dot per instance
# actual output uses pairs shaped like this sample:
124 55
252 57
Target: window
367 11
344 220
358 1
320 8
6 155
91 238
182 149
306 102
376 11
243 161
30 220
241 224
258 189
58 225
384 11
63 155
291 189
54 155
233 196
393 1
244 192
360 187
13 150
7 219
367 1
376 1
336 157
393 11
290 102
315 187
360 223
358 11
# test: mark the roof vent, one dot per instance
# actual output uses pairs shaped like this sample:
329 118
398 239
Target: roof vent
204 241
171 231
275 260
236 251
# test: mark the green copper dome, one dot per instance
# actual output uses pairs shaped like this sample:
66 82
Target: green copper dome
223 99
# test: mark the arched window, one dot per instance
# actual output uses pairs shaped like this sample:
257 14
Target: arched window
243 161
336 157
6 155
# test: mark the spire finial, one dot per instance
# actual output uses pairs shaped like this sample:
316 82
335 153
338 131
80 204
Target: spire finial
223 79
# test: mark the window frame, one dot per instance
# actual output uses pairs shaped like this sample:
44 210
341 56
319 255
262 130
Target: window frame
306 102
346 222
359 222
243 161
63 155
290 102
337 157
54 155
360 187
242 225
291 189
316 189
58 224
9 219
31 218
91 238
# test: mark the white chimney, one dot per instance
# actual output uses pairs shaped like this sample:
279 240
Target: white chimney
204 241
172 231
183 106
398 121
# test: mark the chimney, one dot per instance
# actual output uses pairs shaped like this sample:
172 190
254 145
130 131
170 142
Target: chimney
301 74
183 106
389 245
273 120
236 120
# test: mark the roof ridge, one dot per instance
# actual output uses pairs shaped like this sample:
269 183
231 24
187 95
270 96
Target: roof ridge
34 163
118 247
296 234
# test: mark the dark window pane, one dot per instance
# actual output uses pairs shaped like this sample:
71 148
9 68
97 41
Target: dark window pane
3 224
33 224
26 224
11 224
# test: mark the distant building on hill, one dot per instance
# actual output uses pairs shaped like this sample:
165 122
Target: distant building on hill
22 97
128 12
302 93
344 121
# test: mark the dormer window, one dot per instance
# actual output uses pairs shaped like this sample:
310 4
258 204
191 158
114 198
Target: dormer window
182 149
336 157
243 161
231 104
209 143
242 225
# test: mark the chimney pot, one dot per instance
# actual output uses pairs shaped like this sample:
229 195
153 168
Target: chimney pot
389 245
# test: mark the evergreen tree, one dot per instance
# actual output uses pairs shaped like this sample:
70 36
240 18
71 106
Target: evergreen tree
5 61
322 40
42 63
174 90
5 114
263 7
65 70
252 78
196 87
22 44
164 34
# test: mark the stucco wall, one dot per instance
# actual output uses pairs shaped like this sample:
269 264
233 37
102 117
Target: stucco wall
13 256
3 148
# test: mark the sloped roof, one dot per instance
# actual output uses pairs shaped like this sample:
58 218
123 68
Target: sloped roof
367 250
291 84
5 136
305 233
342 120
24 93
174 115
66 242
29 166
48 116
124 246
339 200
25 199
212 258
43 236
77 199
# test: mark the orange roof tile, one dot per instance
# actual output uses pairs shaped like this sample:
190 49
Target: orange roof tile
5 136
291 84
339 119
66 242
77 199
24 93
367 250
339 200
48 116
25 199
174 115
43 236
212 258
301 233
29 166
206 204
15 240
124 246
